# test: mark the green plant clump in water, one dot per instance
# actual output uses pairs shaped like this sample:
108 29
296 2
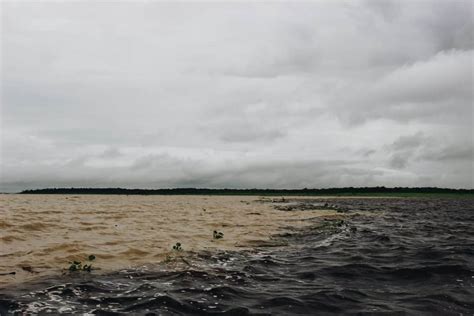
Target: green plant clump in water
78 266
218 235
167 259
177 247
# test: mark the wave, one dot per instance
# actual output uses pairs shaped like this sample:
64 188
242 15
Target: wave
390 264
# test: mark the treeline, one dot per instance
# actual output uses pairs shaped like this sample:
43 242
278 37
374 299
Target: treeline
196 191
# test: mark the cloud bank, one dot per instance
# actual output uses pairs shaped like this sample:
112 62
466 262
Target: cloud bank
237 95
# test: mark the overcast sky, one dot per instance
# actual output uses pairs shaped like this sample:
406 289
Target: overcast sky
268 95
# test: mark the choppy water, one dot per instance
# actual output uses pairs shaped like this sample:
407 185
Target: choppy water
404 256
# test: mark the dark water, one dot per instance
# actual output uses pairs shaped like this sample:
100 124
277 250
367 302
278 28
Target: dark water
406 256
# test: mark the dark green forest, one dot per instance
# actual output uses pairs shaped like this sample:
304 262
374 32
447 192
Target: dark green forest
348 191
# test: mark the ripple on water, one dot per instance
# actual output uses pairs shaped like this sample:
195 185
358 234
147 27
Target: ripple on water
35 226
379 268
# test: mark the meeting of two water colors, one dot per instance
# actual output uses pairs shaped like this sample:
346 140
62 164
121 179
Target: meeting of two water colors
276 256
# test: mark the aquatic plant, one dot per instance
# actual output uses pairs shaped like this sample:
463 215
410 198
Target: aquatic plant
177 247
78 266
168 259
218 235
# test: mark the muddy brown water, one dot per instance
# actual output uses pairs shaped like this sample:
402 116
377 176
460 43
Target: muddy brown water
41 234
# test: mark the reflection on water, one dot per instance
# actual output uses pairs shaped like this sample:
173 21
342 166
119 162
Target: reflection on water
411 256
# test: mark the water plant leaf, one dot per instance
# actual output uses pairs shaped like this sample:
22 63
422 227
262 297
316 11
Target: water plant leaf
73 267
77 265
177 247
218 235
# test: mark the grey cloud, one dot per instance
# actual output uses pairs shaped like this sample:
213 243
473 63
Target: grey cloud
388 9
295 53
398 161
455 29
242 135
438 89
451 153
165 170
367 152
245 131
405 148
418 148
239 95
409 142
276 174
111 152
160 162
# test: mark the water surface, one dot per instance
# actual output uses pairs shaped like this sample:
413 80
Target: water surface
351 256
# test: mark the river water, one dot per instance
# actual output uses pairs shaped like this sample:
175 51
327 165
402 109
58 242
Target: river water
323 256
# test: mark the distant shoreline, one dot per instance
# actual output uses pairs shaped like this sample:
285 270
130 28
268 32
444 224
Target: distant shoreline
348 191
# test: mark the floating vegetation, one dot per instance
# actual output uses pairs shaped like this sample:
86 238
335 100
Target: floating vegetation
177 247
78 266
218 235
167 259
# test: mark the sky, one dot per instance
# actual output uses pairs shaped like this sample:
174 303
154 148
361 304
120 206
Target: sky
236 95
